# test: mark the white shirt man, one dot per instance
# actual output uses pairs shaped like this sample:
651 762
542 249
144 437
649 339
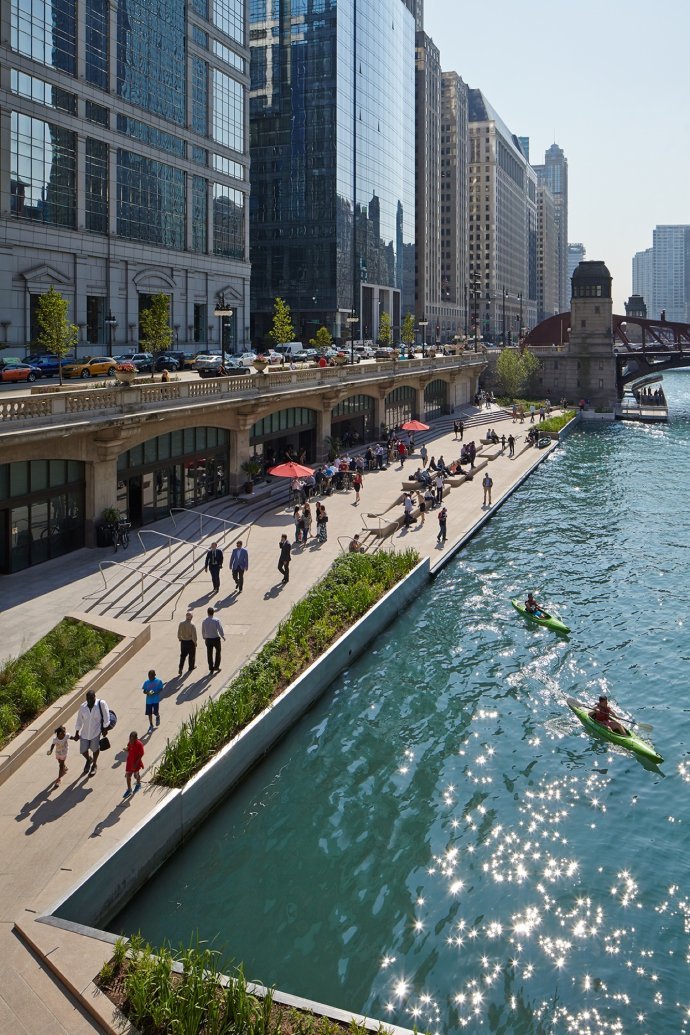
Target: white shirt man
93 719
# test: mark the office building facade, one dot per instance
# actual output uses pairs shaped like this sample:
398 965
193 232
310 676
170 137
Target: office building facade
554 173
547 254
643 278
577 253
124 166
428 201
671 273
333 175
502 228
454 206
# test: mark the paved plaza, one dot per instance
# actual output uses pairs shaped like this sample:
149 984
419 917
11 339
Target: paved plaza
52 837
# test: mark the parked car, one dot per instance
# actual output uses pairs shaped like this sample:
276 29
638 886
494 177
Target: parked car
365 351
169 361
213 366
17 371
90 367
49 366
143 361
273 357
289 349
237 365
304 356
383 352
208 361
247 357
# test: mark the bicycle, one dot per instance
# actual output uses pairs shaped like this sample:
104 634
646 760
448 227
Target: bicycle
121 535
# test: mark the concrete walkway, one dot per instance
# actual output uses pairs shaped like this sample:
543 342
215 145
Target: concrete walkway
51 837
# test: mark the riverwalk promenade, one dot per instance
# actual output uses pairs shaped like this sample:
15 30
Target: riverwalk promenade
52 837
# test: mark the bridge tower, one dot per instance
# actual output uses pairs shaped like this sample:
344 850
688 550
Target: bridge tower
591 364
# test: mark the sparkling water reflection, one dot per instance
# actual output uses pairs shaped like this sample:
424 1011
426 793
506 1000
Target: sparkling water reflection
440 842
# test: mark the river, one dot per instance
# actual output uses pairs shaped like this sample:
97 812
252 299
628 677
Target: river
439 841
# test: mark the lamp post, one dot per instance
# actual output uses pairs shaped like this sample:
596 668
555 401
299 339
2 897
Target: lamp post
111 324
503 341
221 311
352 320
423 324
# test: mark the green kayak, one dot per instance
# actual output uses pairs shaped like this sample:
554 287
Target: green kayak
541 618
630 740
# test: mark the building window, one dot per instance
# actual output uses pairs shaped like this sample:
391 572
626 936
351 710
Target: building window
151 57
95 319
200 329
96 185
228 111
199 37
228 16
97 113
42 93
150 201
228 56
228 221
41 513
43 171
199 214
157 138
96 44
199 96
46 32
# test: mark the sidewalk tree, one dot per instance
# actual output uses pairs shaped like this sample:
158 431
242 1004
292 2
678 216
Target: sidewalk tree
385 330
407 332
515 370
156 332
282 330
322 339
56 335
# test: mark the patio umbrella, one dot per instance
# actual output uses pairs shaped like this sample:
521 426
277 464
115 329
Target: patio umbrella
291 470
414 425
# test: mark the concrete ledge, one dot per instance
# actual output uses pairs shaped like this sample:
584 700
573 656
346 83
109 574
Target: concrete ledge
111 883
134 637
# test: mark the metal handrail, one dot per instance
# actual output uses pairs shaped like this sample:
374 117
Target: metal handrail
139 571
202 514
171 539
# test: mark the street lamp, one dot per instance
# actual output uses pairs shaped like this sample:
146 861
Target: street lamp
352 320
111 324
423 324
221 311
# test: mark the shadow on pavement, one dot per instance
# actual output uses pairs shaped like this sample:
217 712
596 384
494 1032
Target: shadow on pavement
57 807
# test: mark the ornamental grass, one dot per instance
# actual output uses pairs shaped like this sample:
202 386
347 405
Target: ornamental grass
556 423
49 669
161 991
352 586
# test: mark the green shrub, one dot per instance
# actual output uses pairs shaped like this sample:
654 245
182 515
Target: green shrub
51 668
556 423
351 587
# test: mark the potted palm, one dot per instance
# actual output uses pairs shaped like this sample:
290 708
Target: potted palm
251 468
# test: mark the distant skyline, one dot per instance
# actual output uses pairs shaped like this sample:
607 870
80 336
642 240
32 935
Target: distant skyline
607 82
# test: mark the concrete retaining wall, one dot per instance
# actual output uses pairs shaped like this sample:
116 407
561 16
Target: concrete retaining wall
107 887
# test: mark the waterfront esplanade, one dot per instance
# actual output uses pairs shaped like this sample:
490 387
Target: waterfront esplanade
67 455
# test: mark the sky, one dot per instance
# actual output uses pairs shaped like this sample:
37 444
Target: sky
609 82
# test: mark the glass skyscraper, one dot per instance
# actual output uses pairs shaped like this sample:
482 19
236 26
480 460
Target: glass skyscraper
332 151
126 166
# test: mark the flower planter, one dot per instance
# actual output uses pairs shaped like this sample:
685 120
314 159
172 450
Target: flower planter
125 377
260 365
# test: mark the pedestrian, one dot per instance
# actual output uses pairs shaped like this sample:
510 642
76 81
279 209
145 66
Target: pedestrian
357 482
442 523
422 508
322 525
355 545
439 488
402 452
423 452
456 428
284 557
134 763
214 562
308 520
515 413
487 485
153 688
186 634
212 632
461 429
239 563
60 744
93 720
297 518
503 443
532 412
511 446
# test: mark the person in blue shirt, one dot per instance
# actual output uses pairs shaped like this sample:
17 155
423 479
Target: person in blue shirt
239 563
153 688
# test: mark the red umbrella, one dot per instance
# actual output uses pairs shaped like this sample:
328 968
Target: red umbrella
414 425
290 470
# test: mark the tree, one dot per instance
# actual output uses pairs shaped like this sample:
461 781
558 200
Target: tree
515 370
322 339
156 332
407 332
385 329
57 335
282 330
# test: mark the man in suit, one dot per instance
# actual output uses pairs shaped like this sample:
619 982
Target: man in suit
214 562
239 563
285 556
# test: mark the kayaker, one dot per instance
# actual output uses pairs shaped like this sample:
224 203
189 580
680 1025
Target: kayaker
533 607
602 714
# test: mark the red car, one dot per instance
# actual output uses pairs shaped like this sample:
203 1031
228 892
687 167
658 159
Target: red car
12 371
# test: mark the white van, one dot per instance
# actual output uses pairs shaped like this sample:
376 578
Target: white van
289 349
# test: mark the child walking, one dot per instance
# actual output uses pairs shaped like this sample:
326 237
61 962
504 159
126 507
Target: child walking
134 764
60 744
153 688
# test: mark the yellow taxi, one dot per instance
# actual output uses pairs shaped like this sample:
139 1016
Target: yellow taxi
90 367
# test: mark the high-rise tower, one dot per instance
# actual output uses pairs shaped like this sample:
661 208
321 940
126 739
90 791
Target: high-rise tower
554 173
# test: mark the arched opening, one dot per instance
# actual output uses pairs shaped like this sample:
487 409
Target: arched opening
435 399
400 404
352 420
284 435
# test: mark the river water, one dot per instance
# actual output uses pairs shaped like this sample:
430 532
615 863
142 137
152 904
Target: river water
439 841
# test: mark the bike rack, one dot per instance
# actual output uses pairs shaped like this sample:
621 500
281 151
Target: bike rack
171 539
143 574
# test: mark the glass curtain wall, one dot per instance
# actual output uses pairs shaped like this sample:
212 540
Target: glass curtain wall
41 511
